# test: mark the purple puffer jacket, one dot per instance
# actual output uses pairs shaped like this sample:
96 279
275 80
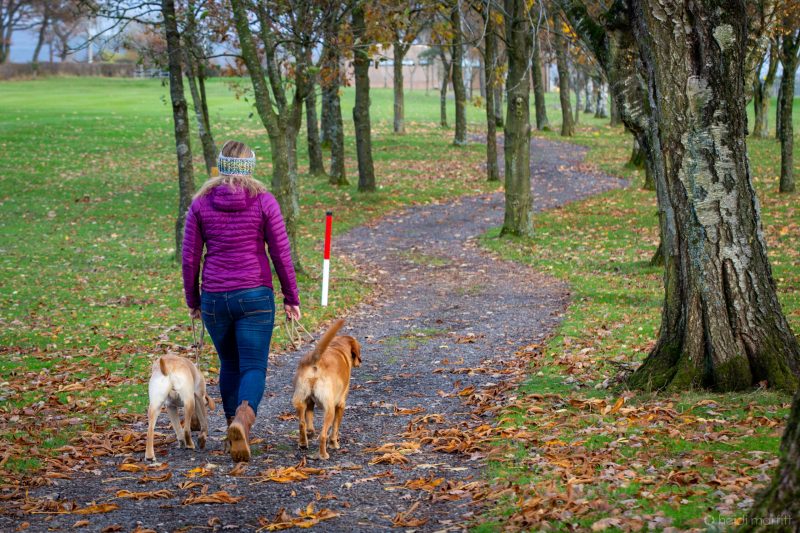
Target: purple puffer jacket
234 226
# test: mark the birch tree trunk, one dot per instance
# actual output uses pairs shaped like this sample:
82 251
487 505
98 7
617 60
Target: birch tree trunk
361 118
560 44
180 118
579 80
443 88
602 98
489 66
538 87
459 91
789 50
195 72
399 103
761 94
722 325
518 218
588 93
315 165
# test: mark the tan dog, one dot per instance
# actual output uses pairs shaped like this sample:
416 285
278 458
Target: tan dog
177 382
323 377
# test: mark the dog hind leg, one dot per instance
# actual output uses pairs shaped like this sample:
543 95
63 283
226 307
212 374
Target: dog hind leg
201 416
310 418
300 406
152 416
172 412
337 421
188 414
327 421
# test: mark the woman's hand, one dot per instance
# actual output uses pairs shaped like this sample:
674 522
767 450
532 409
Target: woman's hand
292 311
195 313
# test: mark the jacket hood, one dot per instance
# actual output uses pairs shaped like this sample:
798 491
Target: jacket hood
226 198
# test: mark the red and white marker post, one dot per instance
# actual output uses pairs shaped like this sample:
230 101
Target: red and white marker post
326 257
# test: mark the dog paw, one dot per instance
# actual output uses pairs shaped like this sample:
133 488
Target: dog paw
303 445
150 457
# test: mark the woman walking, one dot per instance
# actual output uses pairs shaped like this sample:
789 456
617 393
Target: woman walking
233 216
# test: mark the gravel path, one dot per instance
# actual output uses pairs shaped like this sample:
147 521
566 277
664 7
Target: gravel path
441 303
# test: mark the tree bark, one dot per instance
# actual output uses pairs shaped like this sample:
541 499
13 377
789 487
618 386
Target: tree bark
538 87
616 119
42 33
489 66
789 49
602 98
180 118
361 118
499 120
722 325
446 71
579 81
400 50
777 509
588 94
567 125
459 91
778 111
330 94
315 165
762 91
518 218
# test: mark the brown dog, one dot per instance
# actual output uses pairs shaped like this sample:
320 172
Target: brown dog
323 377
177 382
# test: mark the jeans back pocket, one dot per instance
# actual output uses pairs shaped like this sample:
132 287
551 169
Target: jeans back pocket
207 308
259 309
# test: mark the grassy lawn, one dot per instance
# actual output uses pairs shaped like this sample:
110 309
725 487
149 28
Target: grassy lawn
599 454
88 198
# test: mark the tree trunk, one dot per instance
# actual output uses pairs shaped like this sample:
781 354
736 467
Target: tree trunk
499 120
579 80
282 143
778 111
722 325
325 118
567 125
789 61
443 89
602 98
399 104
42 33
315 165
616 119
180 118
459 91
777 509
489 64
206 139
762 91
338 174
538 87
366 171
518 218
588 94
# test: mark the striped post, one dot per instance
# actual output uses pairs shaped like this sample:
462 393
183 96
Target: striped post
326 257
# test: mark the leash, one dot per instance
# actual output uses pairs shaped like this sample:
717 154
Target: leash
198 342
295 332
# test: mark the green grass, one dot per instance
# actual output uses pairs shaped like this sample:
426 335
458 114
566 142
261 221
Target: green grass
88 199
602 247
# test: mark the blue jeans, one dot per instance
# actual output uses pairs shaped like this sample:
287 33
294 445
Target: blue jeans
240 324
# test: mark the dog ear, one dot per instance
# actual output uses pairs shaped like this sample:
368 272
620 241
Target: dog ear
355 351
210 401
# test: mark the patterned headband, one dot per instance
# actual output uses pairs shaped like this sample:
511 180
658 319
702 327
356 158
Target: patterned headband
236 166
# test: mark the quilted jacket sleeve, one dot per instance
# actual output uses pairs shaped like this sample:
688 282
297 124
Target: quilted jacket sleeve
192 256
279 248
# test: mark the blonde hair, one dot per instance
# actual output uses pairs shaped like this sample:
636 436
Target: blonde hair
248 183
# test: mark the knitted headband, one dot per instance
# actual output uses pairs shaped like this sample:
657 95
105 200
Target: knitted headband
236 166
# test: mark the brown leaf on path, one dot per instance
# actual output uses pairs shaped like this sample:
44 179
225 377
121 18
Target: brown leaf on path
198 472
405 448
289 474
80 523
97 508
391 458
163 477
186 485
404 519
305 518
215 497
238 470
111 529
408 411
140 529
428 484
152 495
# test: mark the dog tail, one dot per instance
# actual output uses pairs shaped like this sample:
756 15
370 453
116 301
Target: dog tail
326 339
163 365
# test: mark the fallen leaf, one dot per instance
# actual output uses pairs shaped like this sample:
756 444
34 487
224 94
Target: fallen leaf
215 497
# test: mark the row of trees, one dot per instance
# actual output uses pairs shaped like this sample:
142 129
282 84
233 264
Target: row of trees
679 74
